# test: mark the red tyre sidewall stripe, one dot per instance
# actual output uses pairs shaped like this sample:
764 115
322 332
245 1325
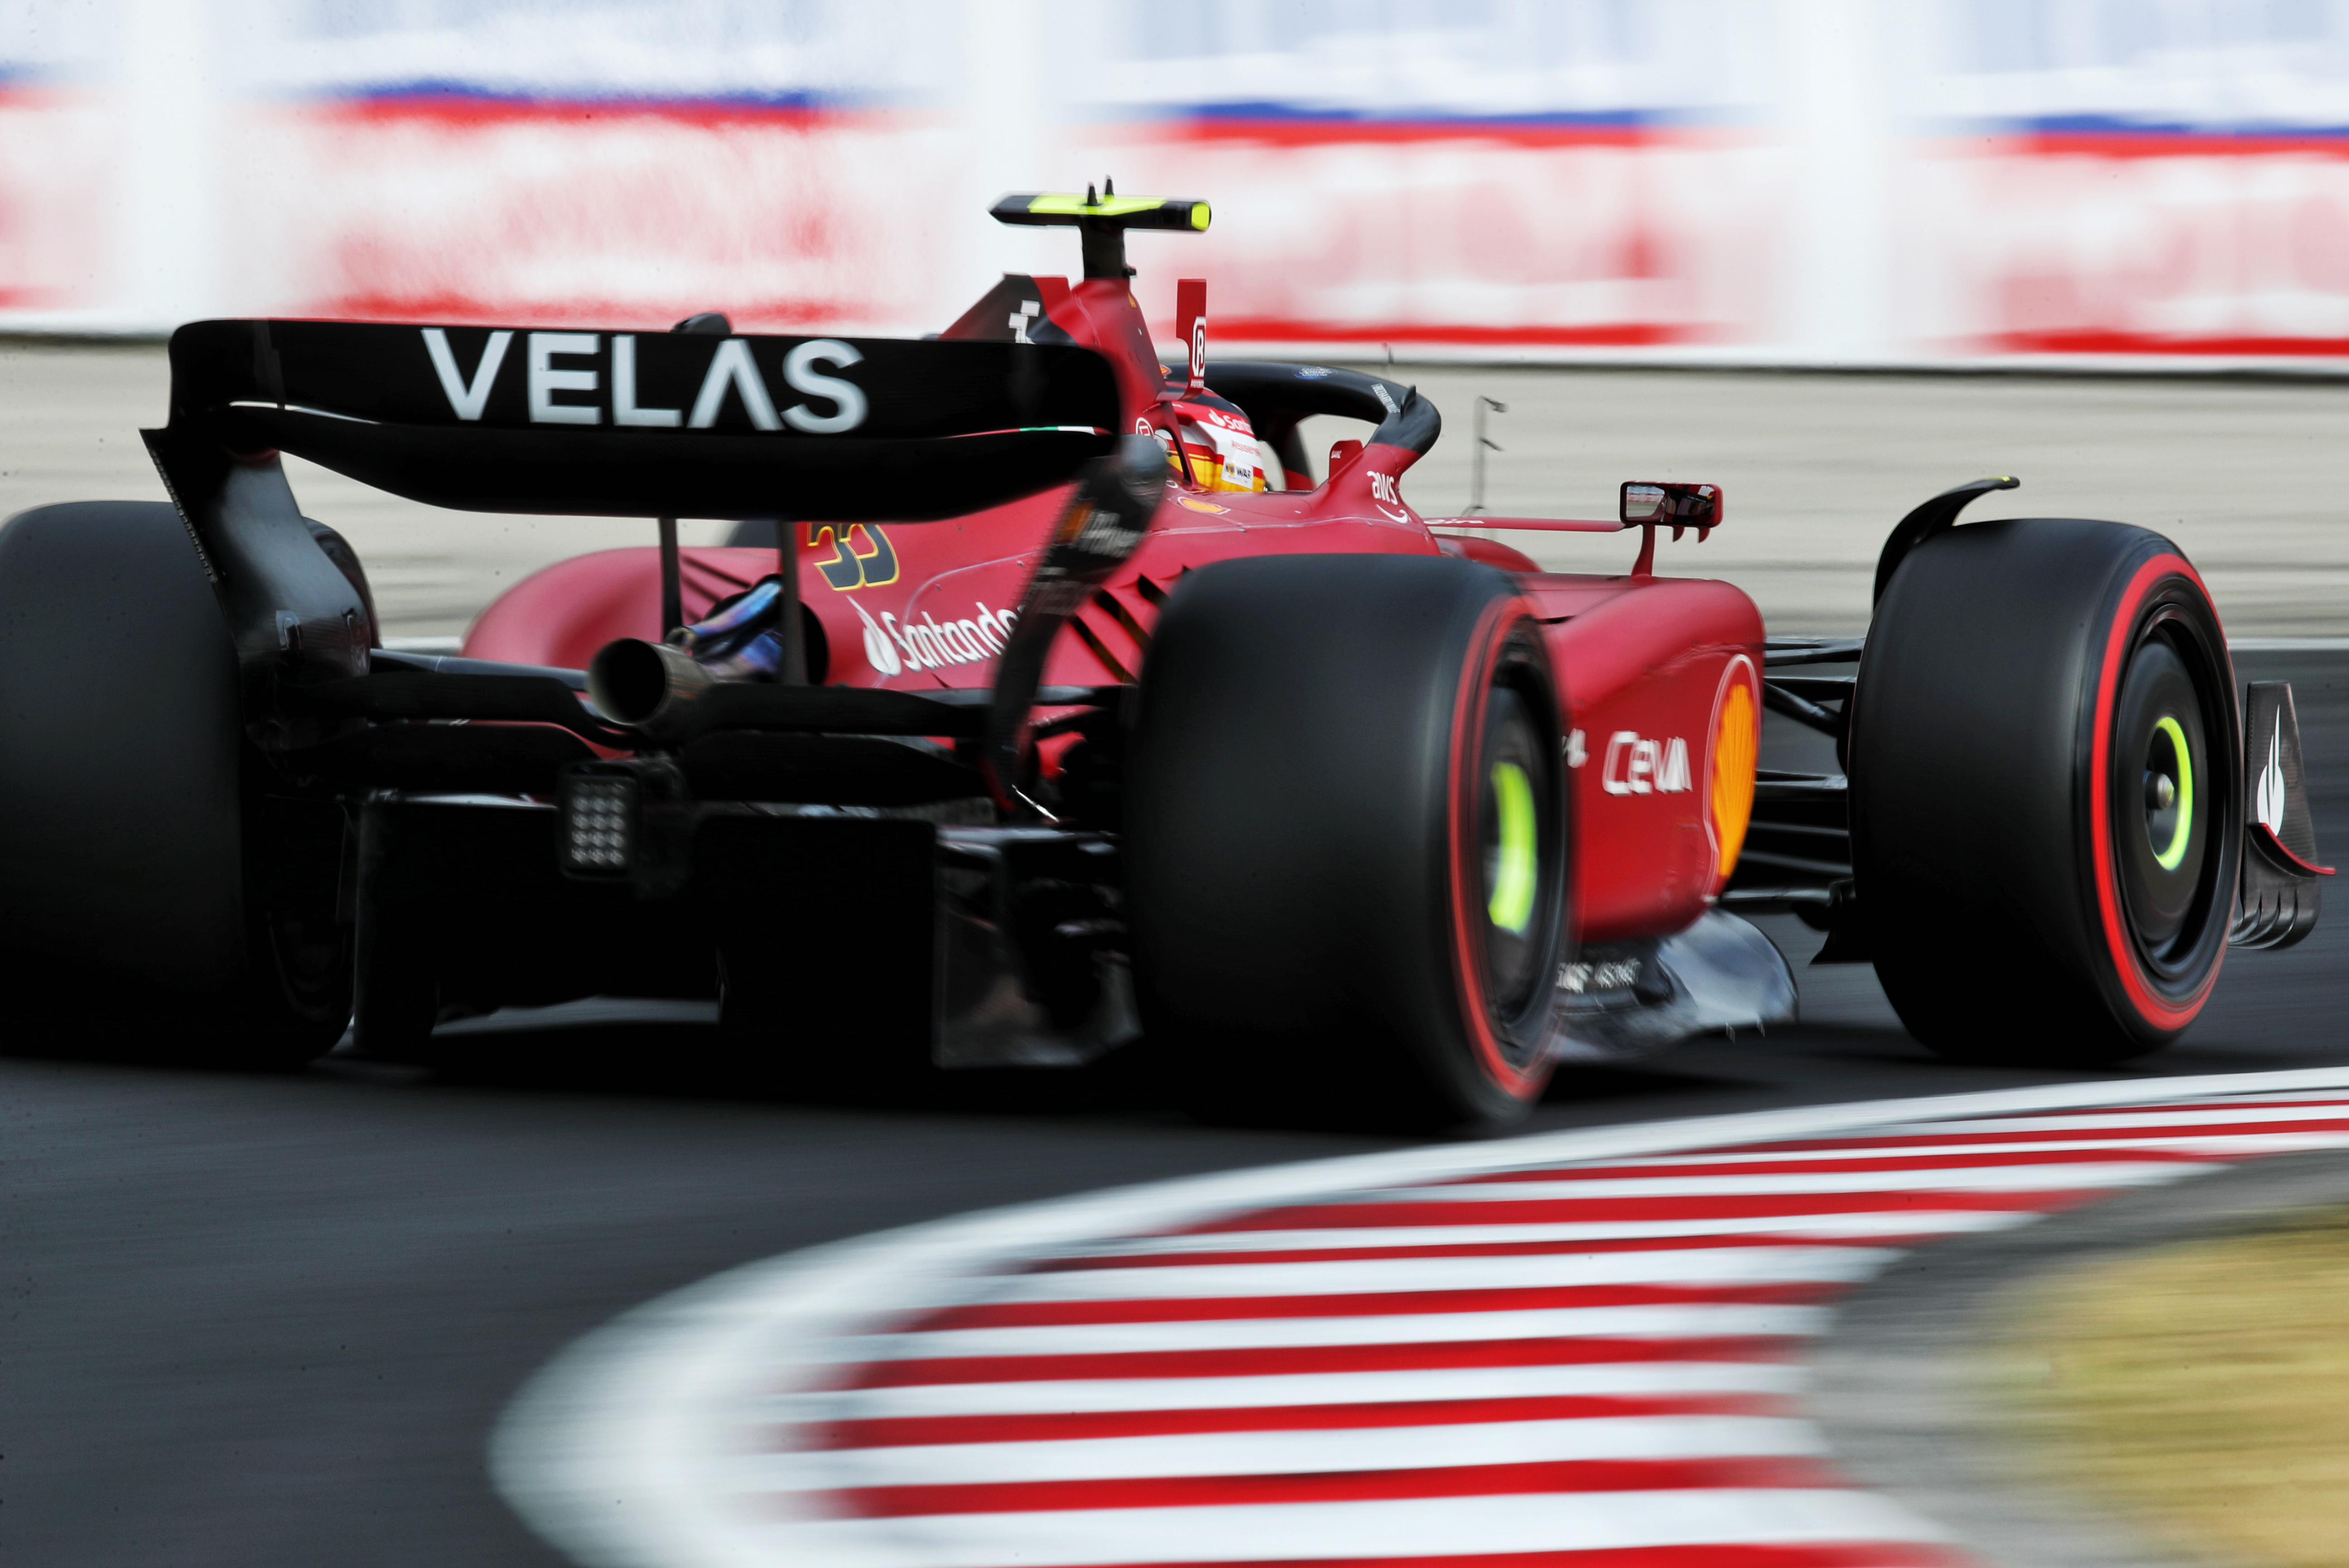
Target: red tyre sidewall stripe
2127 965
1491 635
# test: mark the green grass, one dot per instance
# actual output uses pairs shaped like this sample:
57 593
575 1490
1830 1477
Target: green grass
2202 1389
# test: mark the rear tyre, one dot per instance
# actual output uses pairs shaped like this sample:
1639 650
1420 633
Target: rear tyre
2046 792
1347 843
159 894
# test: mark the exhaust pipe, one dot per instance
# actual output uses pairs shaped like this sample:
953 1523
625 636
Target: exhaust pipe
648 686
652 686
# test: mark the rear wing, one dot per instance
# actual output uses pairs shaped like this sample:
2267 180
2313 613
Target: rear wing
620 425
629 424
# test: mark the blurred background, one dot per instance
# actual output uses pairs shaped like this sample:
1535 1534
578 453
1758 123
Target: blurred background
1551 203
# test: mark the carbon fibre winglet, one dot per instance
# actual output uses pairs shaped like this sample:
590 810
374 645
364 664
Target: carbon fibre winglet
1927 521
2278 894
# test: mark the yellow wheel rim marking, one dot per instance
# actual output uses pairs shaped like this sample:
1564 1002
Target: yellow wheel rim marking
1512 904
2170 858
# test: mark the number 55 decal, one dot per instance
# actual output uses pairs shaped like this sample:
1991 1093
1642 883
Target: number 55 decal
851 569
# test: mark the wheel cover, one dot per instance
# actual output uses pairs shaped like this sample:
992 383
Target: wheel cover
1515 833
2170 794
1510 868
2161 798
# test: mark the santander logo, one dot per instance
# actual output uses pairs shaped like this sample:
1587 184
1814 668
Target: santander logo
892 646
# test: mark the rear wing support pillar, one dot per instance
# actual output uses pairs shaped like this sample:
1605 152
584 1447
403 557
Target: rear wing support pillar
295 619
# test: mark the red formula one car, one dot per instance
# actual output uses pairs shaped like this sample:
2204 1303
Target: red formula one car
1045 699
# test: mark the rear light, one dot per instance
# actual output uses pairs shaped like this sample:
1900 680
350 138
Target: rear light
600 820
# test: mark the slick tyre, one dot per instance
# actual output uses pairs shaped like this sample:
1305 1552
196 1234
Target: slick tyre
159 896
1347 837
2046 792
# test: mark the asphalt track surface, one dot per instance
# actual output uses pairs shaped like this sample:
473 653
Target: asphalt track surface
272 1321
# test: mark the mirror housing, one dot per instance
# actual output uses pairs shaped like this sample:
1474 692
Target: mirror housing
1682 506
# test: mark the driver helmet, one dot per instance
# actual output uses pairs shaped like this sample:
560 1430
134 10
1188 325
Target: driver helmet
1218 448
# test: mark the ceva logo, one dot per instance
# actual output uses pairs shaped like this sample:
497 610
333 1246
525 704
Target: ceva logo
1636 766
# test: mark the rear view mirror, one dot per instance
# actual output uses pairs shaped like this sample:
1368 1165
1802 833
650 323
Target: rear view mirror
1680 505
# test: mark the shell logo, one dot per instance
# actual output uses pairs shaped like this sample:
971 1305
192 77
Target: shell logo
1736 749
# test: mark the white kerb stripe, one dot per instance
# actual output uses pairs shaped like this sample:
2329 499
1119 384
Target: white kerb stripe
1413 1527
2054 1177
2219 1145
1292 1453
2165 1119
1875 1224
1694 1265
1724 1319
1628 1379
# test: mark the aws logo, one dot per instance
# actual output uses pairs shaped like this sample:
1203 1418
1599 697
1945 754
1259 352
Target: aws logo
1637 766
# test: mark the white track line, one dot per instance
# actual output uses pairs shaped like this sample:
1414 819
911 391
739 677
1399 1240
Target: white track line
1956 1178
653 1443
1429 1527
1700 1265
1279 1452
1724 1319
1080 1397
1876 1224
2229 1145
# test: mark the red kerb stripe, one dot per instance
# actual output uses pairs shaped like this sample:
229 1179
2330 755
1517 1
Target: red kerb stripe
1892 1236
1374 1304
2154 1132
1837 1167
1602 1210
1289 1360
1787 1554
